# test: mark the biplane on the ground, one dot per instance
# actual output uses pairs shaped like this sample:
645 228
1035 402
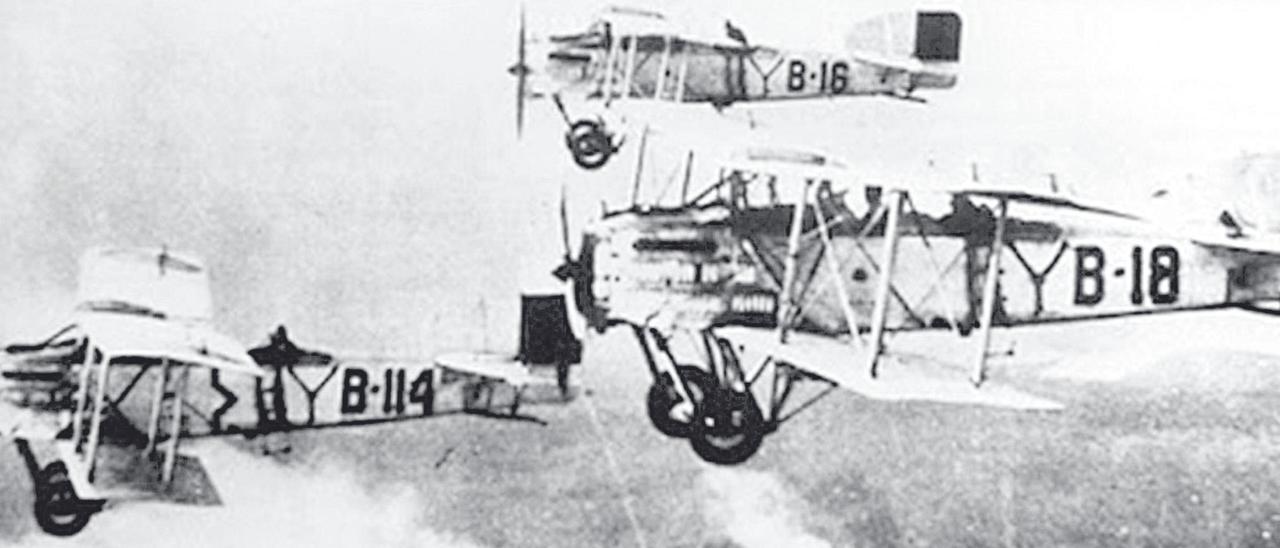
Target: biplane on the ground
776 273
142 325
632 54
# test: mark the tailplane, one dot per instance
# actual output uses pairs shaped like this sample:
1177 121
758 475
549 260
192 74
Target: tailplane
923 43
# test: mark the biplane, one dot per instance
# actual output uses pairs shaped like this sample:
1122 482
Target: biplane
629 56
143 325
780 271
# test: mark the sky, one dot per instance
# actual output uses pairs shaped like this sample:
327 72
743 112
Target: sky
350 168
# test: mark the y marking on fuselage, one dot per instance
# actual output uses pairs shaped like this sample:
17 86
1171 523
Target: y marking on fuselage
1038 278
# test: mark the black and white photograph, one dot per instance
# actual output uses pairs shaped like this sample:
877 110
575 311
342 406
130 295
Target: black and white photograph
639 274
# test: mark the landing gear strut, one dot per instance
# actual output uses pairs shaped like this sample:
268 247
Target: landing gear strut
58 510
587 139
589 143
727 426
663 399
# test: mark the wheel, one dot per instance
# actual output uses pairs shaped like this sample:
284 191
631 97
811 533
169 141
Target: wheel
663 397
589 144
57 508
727 428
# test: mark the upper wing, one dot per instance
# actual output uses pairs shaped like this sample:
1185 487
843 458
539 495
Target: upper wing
148 337
1039 198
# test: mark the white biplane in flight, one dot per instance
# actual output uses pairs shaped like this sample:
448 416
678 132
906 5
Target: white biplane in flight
631 56
780 271
143 325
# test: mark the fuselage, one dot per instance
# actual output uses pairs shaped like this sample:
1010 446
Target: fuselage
699 267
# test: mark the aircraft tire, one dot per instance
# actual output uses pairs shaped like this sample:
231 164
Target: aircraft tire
728 427
589 144
58 510
662 398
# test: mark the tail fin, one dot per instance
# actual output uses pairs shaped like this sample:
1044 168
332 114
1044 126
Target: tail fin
923 43
937 36
1254 182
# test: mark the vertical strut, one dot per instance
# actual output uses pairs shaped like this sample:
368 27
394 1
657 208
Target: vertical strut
793 254
157 404
82 394
635 185
884 284
95 417
688 173
990 292
608 73
658 90
684 70
175 426
630 68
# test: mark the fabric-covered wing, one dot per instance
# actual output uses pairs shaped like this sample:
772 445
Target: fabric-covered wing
899 378
147 337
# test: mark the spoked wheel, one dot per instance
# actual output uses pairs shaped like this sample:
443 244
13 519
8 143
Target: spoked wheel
663 397
57 508
589 144
728 427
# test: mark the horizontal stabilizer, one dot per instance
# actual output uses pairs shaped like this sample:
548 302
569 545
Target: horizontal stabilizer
925 44
898 379
1266 245
491 366
145 282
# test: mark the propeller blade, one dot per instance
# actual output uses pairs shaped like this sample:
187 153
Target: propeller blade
522 75
564 223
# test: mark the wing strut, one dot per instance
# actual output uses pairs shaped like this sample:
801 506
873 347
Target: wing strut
635 185
175 426
157 400
990 291
938 271
789 268
630 69
832 261
885 282
82 395
660 88
611 59
680 76
95 424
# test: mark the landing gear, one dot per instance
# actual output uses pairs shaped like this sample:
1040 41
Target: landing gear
590 145
663 398
57 508
727 424
728 427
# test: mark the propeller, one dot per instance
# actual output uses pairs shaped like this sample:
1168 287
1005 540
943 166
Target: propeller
521 71
569 269
578 273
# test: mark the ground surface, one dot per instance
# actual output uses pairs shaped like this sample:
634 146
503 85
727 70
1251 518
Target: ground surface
1170 438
